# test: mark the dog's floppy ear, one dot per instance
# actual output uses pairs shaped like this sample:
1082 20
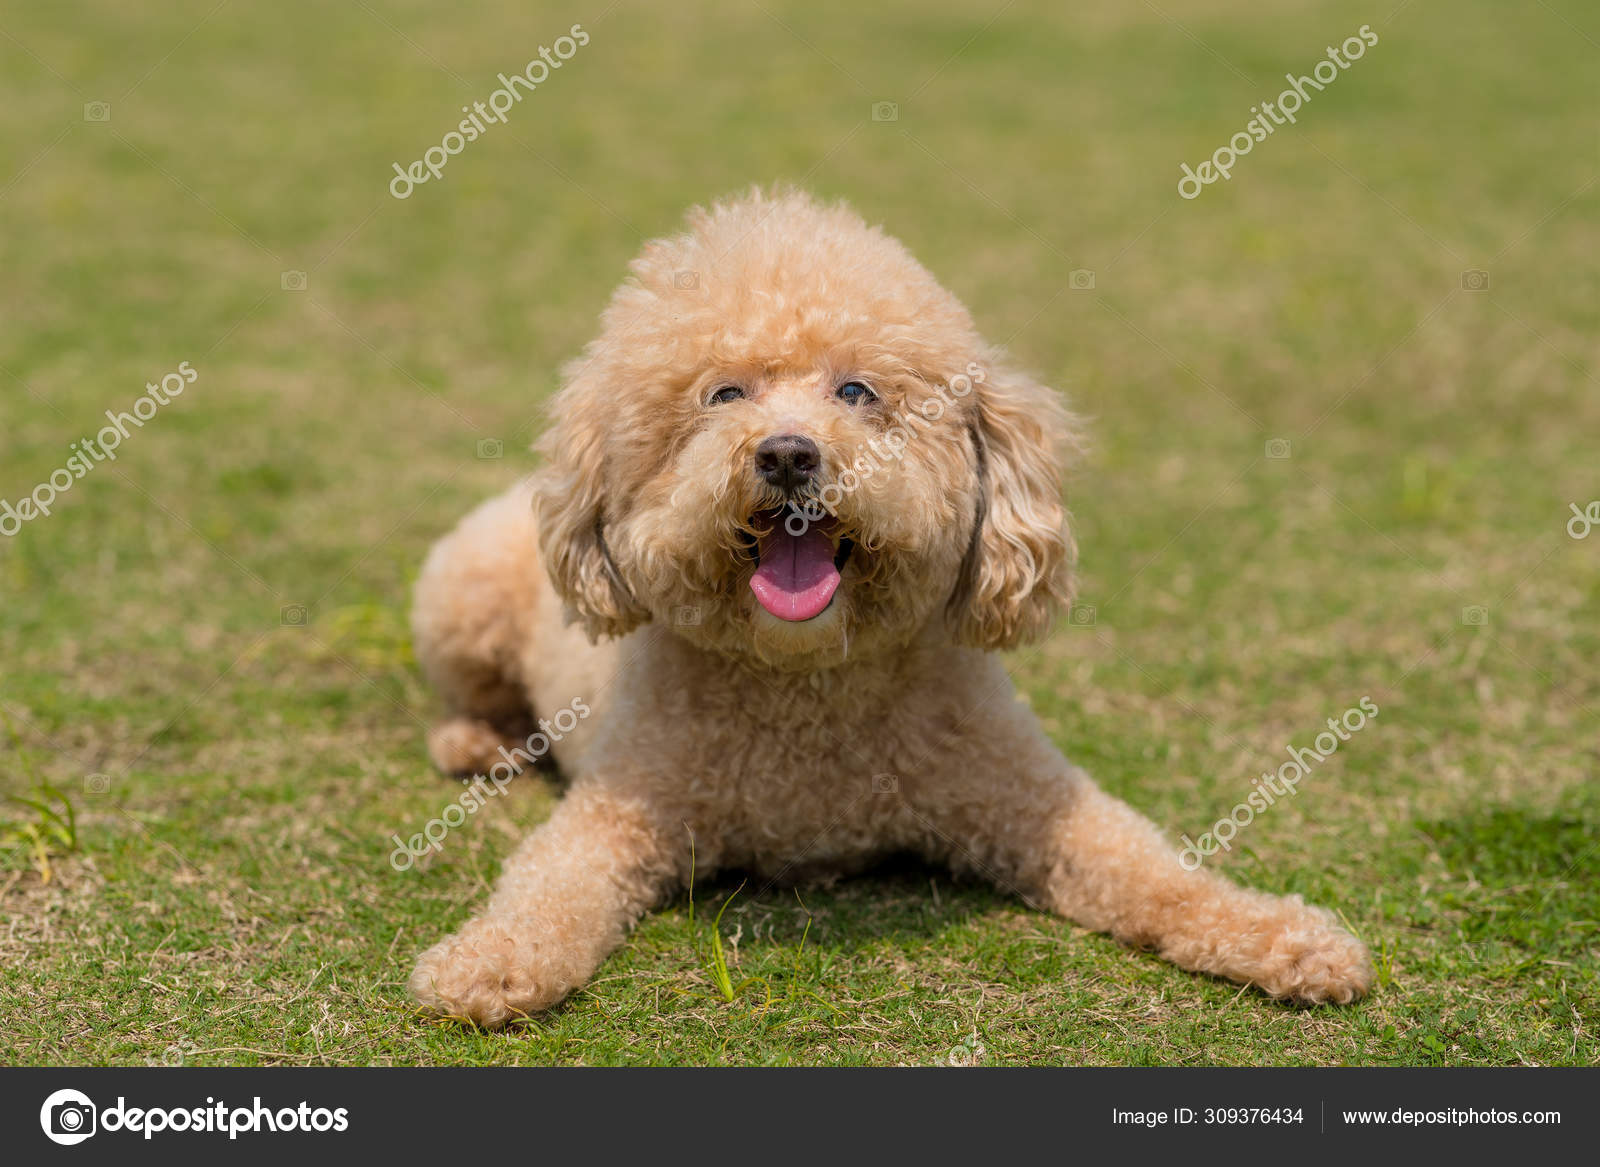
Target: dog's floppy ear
570 505
1019 565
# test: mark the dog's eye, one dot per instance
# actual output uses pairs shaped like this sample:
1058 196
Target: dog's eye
726 394
854 393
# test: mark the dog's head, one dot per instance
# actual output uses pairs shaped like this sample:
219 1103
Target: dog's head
790 443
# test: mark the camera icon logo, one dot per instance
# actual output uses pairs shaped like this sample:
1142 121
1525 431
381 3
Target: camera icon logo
96 783
1084 615
885 111
1081 280
68 1117
97 111
1475 281
686 281
885 784
1475 615
686 615
490 448
1279 449
292 615
293 281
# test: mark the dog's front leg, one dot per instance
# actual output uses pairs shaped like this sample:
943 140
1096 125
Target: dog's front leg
1110 870
564 901
1046 830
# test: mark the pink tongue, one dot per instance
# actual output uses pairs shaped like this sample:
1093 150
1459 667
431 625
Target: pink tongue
796 578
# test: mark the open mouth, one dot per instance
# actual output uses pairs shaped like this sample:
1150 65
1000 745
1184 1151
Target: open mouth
797 575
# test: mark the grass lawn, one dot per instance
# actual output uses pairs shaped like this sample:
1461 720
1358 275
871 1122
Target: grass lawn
236 770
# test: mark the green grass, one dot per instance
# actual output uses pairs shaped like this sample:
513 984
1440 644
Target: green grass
236 775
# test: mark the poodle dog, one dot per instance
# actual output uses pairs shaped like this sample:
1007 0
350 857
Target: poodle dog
793 504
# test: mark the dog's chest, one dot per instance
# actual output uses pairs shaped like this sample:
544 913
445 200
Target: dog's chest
794 775
776 770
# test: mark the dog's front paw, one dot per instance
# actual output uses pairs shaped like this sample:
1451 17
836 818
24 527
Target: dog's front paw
1311 959
489 972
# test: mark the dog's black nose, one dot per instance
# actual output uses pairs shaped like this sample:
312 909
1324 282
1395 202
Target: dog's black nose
787 461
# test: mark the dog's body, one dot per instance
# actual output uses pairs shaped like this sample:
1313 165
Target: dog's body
891 727
778 680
